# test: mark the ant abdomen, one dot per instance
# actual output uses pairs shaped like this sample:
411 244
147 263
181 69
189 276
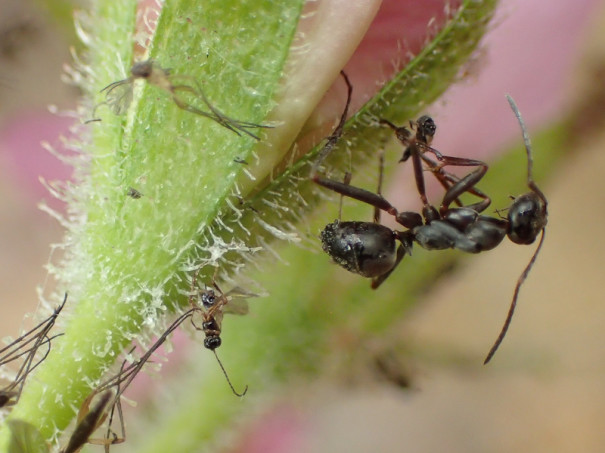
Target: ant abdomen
368 249
526 218
212 342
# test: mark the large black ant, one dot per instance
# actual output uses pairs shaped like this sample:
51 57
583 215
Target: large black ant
370 249
27 345
118 95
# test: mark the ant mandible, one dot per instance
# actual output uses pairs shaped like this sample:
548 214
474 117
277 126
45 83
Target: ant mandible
370 249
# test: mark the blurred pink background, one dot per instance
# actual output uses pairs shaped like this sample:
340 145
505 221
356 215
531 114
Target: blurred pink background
544 393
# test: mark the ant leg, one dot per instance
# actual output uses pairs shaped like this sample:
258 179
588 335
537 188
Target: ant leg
193 290
343 188
403 134
347 180
357 193
402 250
336 134
216 115
419 176
129 373
466 183
456 186
39 336
414 149
117 403
379 188
220 119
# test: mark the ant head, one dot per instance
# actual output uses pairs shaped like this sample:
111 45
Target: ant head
212 342
142 69
527 218
425 129
208 298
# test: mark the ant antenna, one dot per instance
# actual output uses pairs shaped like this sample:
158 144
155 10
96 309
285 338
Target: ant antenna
333 139
227 377
532 185
513 304
530 160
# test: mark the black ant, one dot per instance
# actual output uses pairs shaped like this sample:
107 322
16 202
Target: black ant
370 249
27 345
119 99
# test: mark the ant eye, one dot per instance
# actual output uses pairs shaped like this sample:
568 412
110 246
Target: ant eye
212 342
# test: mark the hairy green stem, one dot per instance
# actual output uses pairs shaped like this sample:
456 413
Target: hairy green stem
130 260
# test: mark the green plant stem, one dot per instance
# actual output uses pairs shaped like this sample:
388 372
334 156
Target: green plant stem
130 260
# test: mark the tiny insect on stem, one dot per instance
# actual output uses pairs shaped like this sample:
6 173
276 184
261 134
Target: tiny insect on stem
118 96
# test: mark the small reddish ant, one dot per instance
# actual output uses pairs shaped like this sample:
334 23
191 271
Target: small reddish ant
118 95
27 345
212 307
370 249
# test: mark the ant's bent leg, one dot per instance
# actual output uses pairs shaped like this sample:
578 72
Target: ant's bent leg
333 138
356 193
376 217
465 184
401 252
346 180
